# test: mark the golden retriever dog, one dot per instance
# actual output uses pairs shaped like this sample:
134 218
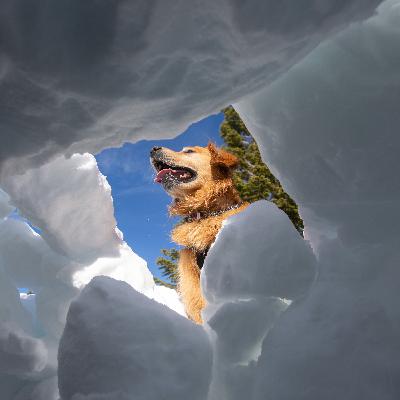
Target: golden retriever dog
199 179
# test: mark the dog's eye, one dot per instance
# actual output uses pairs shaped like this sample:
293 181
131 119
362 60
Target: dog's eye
188 151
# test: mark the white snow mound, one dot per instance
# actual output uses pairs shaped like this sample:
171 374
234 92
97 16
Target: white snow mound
69 201
119 343
84 76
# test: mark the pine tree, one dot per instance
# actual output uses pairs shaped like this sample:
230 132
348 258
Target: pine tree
168 267
253 180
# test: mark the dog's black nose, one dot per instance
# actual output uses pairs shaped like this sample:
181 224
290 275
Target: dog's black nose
154 150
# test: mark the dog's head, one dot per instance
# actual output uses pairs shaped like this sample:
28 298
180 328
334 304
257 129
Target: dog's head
188 170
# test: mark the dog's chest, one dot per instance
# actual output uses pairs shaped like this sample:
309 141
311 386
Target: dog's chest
197 234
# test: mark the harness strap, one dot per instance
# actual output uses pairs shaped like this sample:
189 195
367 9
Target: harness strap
198 215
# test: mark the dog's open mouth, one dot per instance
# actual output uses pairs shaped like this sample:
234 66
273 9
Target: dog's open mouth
172 174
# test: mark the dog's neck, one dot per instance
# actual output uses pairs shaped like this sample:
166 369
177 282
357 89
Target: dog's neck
210 199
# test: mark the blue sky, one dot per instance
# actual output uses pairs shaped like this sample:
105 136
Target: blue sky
140 204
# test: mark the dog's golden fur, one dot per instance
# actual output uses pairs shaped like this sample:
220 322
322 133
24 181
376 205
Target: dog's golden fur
204 202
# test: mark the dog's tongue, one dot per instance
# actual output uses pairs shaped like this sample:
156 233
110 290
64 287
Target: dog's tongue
166 171
162 173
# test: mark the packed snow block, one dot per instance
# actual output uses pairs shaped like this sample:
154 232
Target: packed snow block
329 129
168 297
52 303
126 266
46 389
82 76
78 233
28 387
257 261
258 253
29 262
26 257
5 206
71 202
236 345
25 370
119 344
341 342
75 213
61 196
19 353
11 309
330 134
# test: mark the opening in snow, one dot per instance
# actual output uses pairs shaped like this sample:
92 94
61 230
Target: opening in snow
327 119
84 232
140 206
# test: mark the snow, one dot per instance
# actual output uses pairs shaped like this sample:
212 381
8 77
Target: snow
22 360
110 347
84 76
19 353
44 390
257 261
66 217
283 321
5 206
119 343
329 130
70 203
278 264
169 298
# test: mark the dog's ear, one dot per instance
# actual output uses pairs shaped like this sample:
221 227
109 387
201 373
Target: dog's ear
222 158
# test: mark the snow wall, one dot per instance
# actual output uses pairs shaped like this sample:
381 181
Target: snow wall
287 318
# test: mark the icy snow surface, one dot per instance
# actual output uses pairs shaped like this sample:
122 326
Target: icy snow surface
330 129
111 347
296 324
79 76
70 201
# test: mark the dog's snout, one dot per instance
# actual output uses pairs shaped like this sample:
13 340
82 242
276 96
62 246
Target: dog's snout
154 150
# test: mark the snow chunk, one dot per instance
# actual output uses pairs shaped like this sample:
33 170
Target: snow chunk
11 310
75 213
127 267
70 203
330 134
329 129
258 252
5 206
20 353
103 82
258 267
168 297
26 257
119 343
235 345
47 389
